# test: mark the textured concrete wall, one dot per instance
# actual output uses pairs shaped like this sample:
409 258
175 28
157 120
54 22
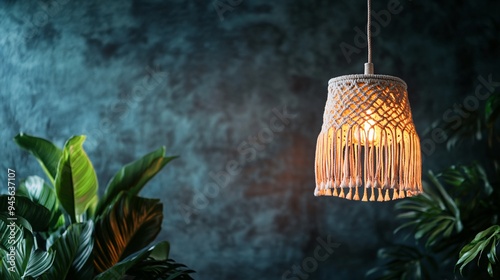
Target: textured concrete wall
239 90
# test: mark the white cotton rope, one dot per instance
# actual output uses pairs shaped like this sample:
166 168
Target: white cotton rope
369 65
368 148
369 32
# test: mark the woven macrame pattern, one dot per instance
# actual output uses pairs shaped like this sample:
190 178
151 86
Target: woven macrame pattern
368 148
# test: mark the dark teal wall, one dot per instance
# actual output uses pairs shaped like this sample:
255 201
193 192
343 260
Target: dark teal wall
240 98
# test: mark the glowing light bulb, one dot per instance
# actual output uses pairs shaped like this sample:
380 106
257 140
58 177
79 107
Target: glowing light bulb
367 135
369 130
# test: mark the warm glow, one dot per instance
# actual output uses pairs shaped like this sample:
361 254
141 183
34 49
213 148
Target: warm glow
368 132
368 148
368 127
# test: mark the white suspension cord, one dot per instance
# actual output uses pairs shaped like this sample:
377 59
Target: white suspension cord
369 64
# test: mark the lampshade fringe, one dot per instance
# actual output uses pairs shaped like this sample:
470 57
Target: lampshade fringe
386 166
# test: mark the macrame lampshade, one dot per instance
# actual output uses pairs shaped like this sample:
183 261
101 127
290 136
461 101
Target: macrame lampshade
368 148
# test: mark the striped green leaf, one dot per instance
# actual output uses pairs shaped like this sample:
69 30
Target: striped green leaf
76 181
46 153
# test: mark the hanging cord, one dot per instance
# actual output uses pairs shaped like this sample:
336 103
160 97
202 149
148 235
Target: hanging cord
369 32
369 65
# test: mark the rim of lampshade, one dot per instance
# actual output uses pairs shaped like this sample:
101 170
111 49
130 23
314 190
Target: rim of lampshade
367 77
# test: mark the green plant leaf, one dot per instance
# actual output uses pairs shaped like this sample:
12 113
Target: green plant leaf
39 192
492 255
6 274
19 221
486 233
5 231
434 215
72 250
76 181
481 176
464 178
447 200
160 251
487 237
133 176
492 109
159 269
15 239
148 263
129 225
37 215
39 262
119 270
21 249
82 267
404 262
47 154
28 261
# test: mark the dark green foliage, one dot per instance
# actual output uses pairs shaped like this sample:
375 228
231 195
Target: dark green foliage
405 262
485 240
46 153
160 269
63 232
455 222
433 213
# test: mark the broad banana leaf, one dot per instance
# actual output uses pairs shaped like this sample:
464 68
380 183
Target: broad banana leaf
76 181
46 153
133 176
